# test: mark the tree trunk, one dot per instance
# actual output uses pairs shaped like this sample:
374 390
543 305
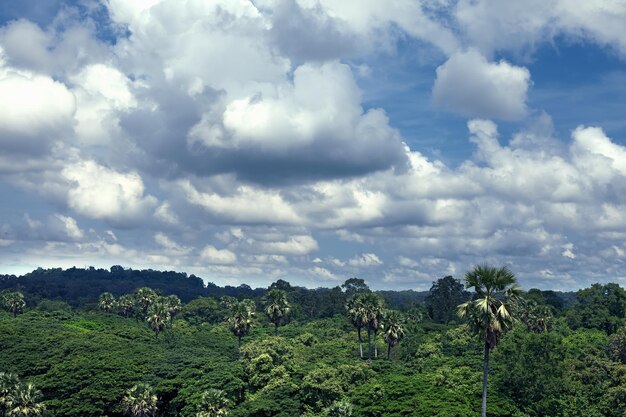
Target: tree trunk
276 329
485 370
375 344
388 351
239 346
369 345
360 342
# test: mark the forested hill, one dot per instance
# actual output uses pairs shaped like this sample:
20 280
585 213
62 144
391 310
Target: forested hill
82 286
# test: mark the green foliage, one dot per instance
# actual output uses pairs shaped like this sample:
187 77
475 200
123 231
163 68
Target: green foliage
203 310
599 307
84 361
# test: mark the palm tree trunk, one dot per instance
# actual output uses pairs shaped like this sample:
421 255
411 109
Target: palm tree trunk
485 371
360 341
369 344
375 344
276 329
388 350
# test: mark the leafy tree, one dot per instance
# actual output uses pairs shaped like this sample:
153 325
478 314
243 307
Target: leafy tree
599 307
140 401
240 319
106 302
490 314
24 401
14 302
354 286
276 307
393 330
213 404
158 317
126 305
358 316
617 345
443 298
203 310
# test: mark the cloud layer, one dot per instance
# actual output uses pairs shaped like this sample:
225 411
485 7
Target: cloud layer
236 140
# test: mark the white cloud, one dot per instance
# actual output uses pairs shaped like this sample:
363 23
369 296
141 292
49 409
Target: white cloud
34 106
102 193
213 255
295 245
247 205
365 260
467 83
493 25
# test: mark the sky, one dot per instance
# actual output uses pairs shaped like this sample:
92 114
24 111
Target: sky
315 140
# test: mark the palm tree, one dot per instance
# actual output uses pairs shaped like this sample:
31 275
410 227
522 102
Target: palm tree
126 305
240 319
144 298
14 302
106 302
173 306
340 408
213 404
537 318
490 313
140 401
276 306
8 383
373 312
24 401
158 316
394 330
358 316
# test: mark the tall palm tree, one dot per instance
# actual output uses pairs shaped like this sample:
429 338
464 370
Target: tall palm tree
276 306
173 306
126 305
357 315
14 302
144 298
140 401
373 307
394 330
158 317
24 401
490 313
240 319
106 302
213 404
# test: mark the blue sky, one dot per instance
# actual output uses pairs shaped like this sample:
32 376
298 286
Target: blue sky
314 140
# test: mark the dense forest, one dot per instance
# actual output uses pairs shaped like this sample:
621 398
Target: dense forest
93 342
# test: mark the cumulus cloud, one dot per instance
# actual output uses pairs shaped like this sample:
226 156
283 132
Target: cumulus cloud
36 109
492 25
99 192
467 83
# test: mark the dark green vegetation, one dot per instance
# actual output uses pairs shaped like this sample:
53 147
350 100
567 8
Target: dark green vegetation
140 351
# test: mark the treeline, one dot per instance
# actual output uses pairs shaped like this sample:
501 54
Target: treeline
81 287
